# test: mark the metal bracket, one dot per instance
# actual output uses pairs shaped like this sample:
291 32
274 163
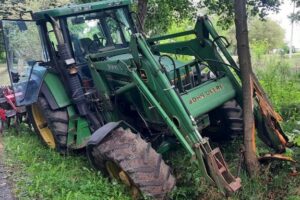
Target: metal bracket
218 168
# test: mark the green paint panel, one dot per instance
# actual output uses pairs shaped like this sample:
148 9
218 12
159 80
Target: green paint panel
77 9
83 132
57 90
78 130
204 98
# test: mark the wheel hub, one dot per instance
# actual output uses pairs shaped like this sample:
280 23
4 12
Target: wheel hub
42 126
117 173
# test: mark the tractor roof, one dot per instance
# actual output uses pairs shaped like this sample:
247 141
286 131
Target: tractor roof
81 8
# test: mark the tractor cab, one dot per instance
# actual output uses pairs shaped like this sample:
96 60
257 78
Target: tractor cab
32 44
98 32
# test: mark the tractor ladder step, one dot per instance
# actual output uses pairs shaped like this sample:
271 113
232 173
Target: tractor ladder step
219 170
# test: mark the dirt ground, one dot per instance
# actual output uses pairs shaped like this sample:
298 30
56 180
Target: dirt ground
5 187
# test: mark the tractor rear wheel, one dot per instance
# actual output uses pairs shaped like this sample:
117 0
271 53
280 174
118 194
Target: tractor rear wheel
50 125
226 121
125 156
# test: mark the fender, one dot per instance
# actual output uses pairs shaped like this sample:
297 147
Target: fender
98 136
54 91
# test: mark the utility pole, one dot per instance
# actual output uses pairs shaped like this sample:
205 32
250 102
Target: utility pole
292 30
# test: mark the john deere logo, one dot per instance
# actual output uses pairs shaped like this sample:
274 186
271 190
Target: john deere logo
203 95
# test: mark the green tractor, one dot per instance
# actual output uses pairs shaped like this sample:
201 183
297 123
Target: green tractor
92 80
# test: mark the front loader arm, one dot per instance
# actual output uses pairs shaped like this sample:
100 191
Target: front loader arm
212 164
266 118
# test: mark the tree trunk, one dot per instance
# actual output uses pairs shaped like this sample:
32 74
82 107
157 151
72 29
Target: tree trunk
243 50
142 11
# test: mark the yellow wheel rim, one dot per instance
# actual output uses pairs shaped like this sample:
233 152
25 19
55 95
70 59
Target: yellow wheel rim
42 126
117 173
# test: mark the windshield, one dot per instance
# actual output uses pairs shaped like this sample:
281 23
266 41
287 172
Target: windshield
101 31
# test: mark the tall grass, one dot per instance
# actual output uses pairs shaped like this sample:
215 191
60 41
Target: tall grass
281 80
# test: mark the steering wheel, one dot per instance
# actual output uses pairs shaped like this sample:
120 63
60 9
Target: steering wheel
98 41
100 38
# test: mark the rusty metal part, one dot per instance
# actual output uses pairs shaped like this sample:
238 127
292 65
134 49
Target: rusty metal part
218 168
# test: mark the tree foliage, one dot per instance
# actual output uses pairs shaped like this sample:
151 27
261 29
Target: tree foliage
161 14
295 16
11 9
264 35
225 9
266 32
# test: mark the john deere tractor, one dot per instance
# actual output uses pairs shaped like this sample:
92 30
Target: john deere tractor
92 80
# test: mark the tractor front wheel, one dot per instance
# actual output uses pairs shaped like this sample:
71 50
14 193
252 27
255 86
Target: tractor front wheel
50 125
125 156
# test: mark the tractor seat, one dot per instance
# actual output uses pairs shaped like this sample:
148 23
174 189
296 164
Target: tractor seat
88 45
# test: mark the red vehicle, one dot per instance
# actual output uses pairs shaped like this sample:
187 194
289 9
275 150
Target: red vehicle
9 112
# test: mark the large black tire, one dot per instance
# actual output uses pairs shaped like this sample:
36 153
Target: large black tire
143 166
226 121
47 122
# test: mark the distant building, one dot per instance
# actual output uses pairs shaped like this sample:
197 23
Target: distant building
297 50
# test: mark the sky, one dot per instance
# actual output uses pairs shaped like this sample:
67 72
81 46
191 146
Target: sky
282 18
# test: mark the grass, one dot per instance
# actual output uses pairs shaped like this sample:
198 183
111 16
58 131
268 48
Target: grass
275 180
281 82
40 173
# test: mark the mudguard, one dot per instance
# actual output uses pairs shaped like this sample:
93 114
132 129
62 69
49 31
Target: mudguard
101 133
55 92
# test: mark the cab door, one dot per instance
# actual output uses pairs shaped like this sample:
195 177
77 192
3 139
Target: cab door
26 57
